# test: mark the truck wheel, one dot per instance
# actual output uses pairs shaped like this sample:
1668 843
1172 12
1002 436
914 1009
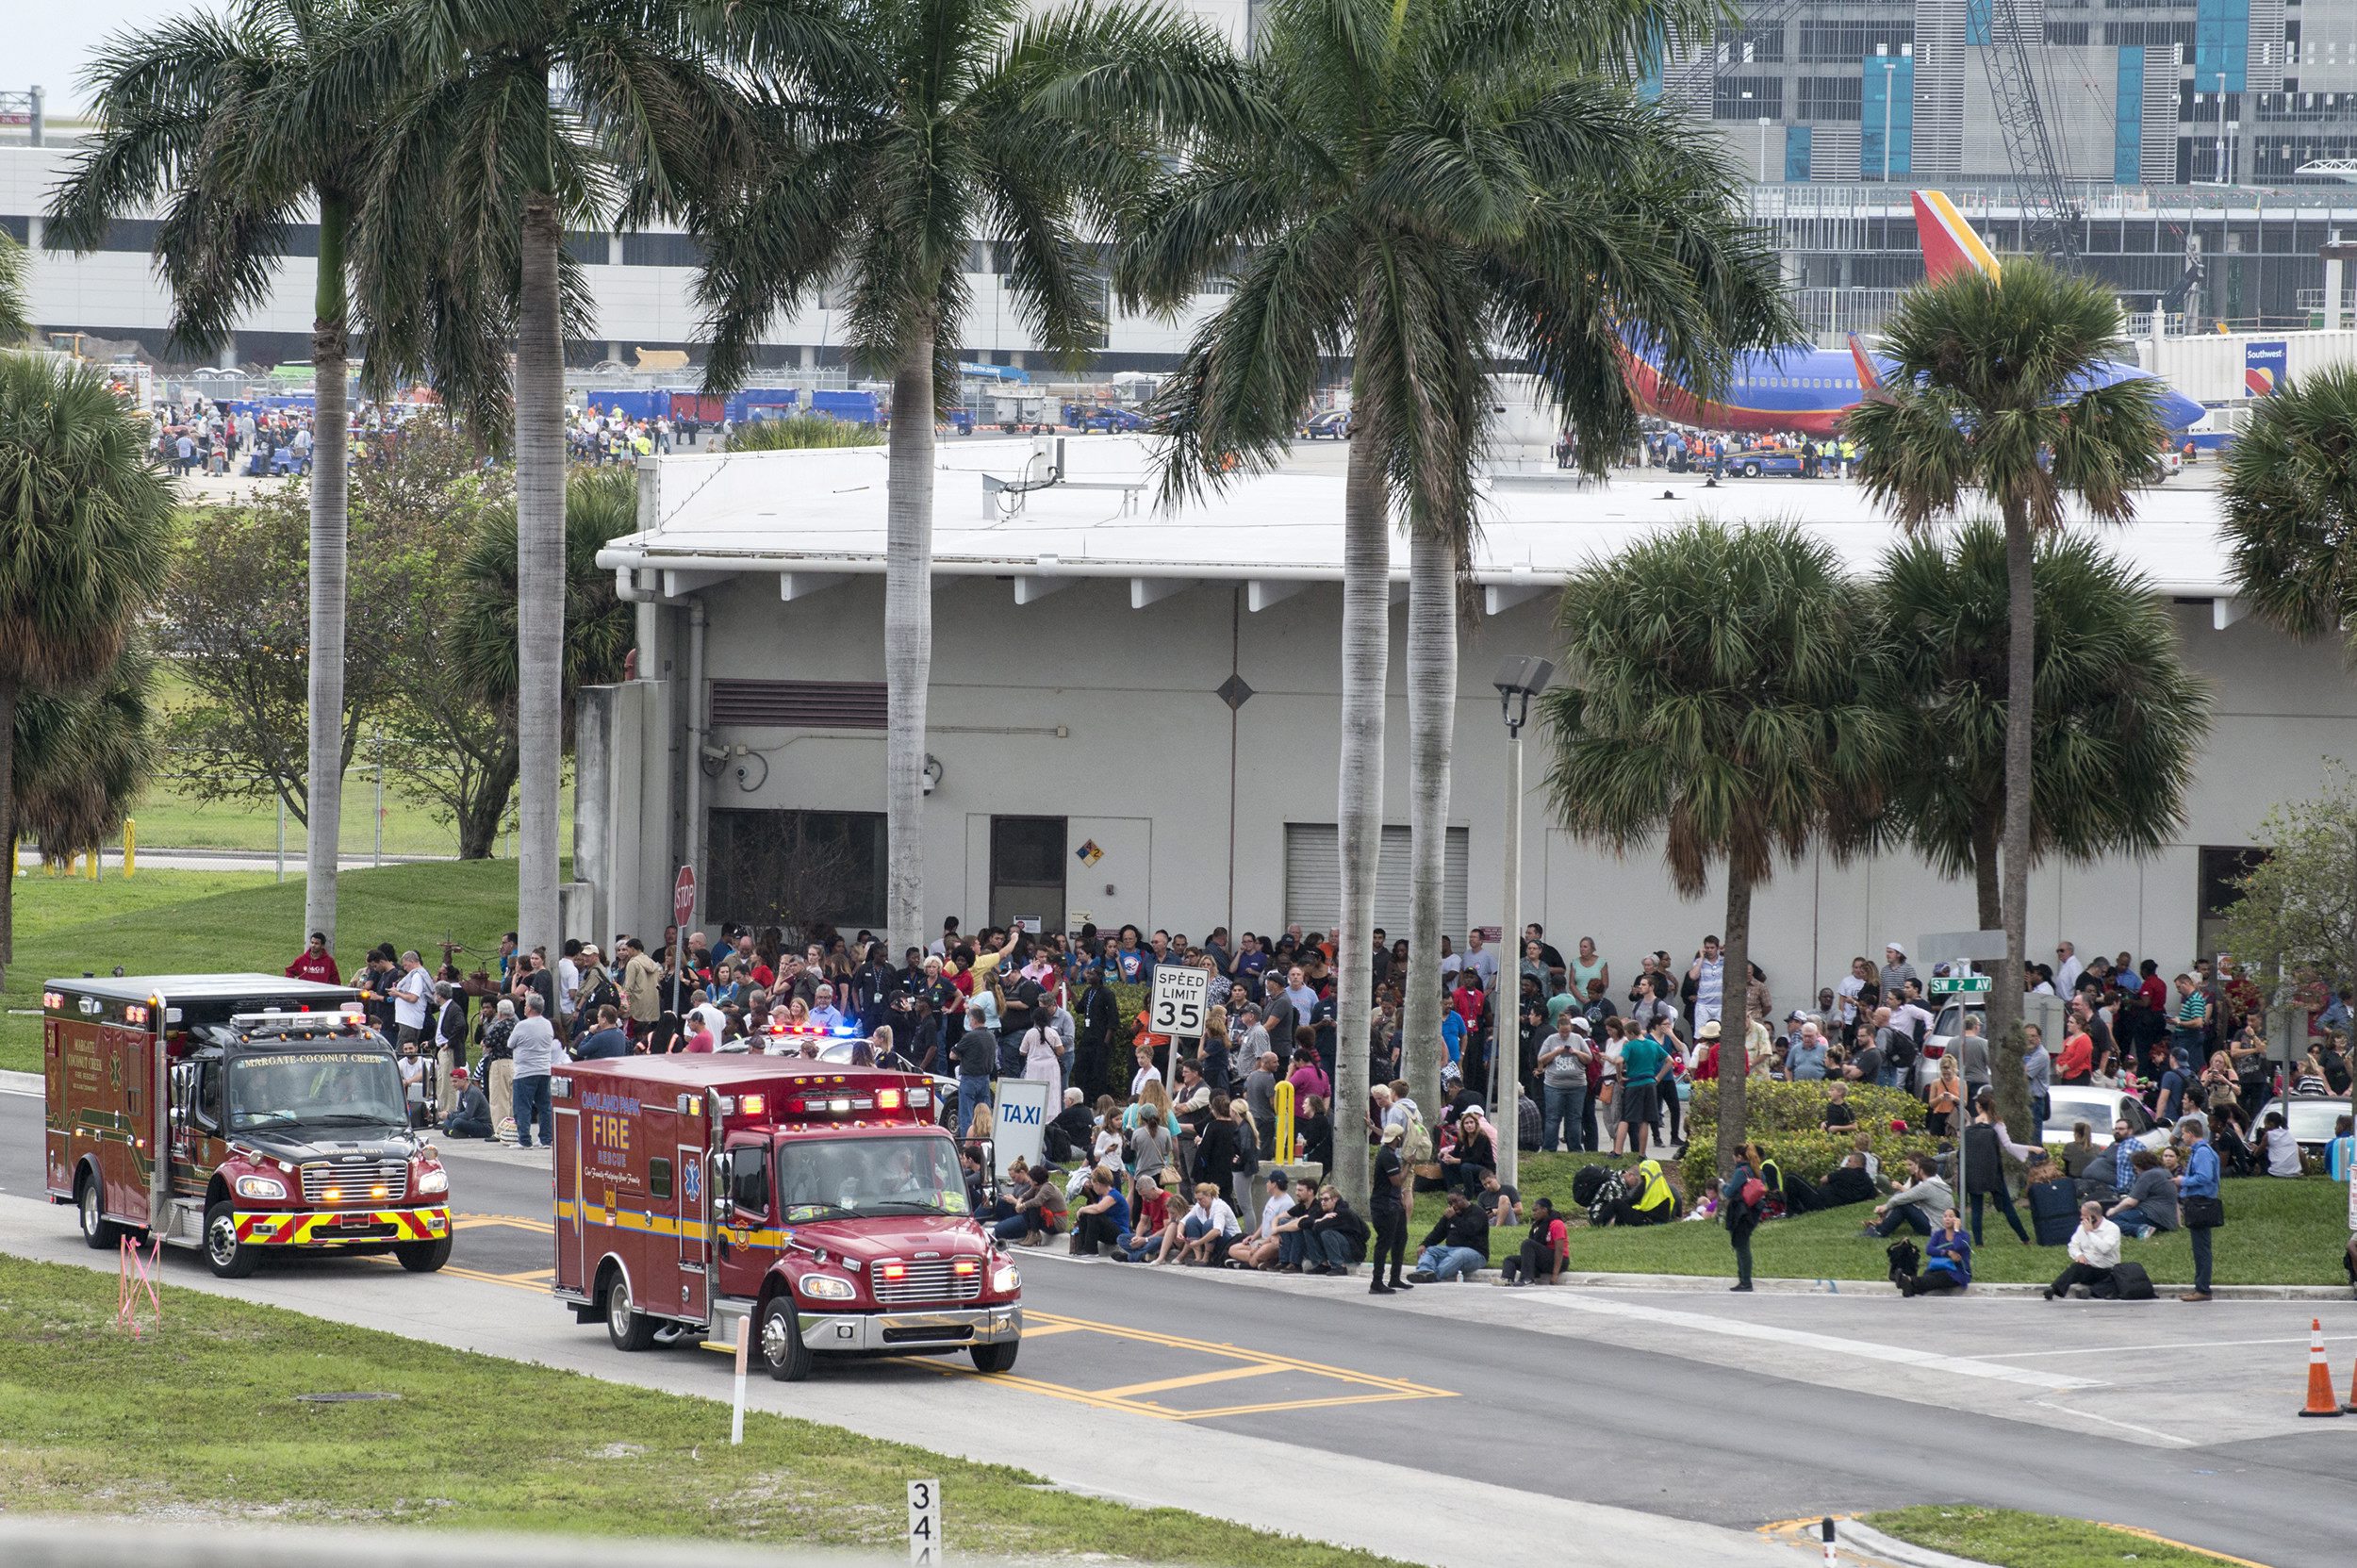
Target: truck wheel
423 1257
98 1233
629 1329
1750 471
230 1257
995 1357
782 1348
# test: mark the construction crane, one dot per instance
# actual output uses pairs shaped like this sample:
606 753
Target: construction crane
2052 220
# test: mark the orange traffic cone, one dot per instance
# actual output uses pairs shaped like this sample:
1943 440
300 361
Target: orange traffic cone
2320 1400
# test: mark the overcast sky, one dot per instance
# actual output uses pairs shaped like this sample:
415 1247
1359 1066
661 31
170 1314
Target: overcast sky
49 40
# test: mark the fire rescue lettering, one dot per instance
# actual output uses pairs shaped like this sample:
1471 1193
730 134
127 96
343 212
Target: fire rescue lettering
609 1117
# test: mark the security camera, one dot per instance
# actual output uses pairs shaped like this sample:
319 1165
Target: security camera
931 775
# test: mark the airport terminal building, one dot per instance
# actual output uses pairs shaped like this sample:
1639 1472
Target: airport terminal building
1133 713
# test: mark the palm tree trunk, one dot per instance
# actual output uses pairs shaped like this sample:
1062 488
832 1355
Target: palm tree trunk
2008 1045
1358 796
1431 736
1735 1019
1992 907
908 634
539 576
324 791
9 693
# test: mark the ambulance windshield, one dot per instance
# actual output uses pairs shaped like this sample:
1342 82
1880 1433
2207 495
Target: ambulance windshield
829 1179
338 1088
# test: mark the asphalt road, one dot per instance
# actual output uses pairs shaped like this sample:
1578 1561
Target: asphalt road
1729 1411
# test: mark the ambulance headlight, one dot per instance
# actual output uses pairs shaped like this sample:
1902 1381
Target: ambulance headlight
825 1287
268 1187
436 1180
1005 1278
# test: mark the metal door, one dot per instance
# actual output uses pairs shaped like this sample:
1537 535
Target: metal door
694 1213
570 1215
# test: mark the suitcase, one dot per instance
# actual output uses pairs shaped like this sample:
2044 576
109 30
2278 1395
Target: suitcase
2131 1281
2054 1211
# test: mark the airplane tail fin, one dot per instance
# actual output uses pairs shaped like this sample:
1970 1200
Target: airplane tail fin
1868 378
1949 246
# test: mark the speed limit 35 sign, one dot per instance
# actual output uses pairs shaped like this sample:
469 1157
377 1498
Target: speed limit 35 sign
1181 998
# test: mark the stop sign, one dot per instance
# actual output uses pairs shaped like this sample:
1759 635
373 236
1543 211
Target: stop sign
684 896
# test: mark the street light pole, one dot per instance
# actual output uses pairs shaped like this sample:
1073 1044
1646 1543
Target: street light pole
1518 680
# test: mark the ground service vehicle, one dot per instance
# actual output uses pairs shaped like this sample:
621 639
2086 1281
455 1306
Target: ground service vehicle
281 1110
820 1201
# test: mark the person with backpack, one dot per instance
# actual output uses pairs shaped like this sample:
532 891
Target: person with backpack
1742 1198
2094 1254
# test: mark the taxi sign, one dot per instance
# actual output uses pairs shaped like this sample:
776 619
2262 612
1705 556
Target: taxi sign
1960 985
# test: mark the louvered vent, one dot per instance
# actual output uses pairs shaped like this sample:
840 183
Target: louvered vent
799 705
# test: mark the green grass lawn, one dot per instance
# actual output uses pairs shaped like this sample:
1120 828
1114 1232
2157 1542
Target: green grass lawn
2016 1540
2277 1234
171 817
204 1417
180 922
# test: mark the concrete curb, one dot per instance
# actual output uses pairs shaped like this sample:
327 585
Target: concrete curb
1867 1539
22 1083
89 1543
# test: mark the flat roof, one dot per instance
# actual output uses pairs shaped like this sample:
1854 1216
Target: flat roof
178 989
718 1069
813 519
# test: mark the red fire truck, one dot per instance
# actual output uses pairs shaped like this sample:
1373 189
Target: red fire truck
821 1200
281 1107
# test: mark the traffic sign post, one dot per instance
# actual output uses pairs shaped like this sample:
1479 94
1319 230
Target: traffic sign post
924 1524
1182 998
682 910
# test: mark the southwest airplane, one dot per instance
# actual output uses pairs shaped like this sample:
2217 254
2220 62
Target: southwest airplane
1805 390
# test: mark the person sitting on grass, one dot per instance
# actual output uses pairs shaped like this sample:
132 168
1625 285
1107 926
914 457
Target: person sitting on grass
1649 1198
1848 1184
1456 1247
1913 1205
2149 1203
1334 1237
1202 1237
1950 1266
1260 1249
2094 1254
1149 1220
1545 1253
1102 1221
1504 1204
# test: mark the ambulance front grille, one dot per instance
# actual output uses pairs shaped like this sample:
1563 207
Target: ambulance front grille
354 1186
929 1280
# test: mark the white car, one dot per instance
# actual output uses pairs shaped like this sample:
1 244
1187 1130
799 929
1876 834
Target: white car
2309 1117
2069 1103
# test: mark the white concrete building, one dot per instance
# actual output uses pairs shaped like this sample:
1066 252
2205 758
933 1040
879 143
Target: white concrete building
1133 712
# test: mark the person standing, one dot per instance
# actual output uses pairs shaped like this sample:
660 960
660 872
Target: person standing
978 1059
450 1045
410 993
1742 1196
534 1050
1388 1208
1563 1059
1984 1141
315 963
2197 1206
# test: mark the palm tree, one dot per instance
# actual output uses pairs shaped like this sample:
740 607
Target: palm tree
2290 488
1992 388
1722 694
1430 189
220 122
84 756
893 136
2119 718
84 519
14 323
514 124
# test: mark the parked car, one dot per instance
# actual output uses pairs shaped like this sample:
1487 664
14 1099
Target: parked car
2069 1103
1781 460
1334 423
2309 1117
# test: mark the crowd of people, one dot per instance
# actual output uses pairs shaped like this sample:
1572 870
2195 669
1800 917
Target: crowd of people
1167 1151
600 435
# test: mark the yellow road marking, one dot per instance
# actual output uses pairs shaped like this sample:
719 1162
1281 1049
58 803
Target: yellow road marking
1225 1374
2180 1545
1034 1329
1237 1352
1295 1405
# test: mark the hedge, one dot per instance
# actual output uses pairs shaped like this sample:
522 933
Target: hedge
1786 1120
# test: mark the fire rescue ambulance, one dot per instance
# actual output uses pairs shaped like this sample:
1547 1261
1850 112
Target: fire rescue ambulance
281 1109
821 1201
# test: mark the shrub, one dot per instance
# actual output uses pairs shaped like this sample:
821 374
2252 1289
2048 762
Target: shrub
799 431
1786 1120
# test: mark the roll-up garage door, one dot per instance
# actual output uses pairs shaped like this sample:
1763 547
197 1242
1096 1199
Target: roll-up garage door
1313 879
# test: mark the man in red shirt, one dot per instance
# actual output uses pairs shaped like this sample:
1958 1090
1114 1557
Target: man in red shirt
316 962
